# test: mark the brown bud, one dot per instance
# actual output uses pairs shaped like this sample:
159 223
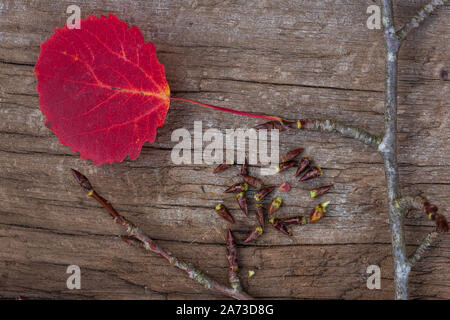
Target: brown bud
254 182
292 154
82 180
244 167
263 193
318 212
266 125
231 252
255 234
285 165
278 225
274 124
222 167
237 187
429 208
260 214
317 192
295 220
312 173
303 164
275 205
441 223
242 201
294 124
285 187
224 213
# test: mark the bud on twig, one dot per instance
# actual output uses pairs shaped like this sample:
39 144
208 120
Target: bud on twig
263 193
242 201
275 205
317 192
238 187
314 172
82 180
224 213
271 125
255 234
318 212
254 182
304 163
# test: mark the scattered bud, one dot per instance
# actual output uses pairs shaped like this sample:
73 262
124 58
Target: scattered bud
238 187
222 167
317 192
255 234
285 187
254 182
303 164
251 273
278 225
285 165
231 252
263 193
275 205
242 201
223 212
244 167
292 154
318 212
314 172
260 214
295 220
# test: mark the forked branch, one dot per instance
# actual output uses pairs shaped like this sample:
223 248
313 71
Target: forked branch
139 238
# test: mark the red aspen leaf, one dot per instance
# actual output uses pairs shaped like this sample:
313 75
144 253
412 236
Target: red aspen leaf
101 88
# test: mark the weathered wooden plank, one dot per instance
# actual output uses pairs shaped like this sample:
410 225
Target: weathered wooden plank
289 58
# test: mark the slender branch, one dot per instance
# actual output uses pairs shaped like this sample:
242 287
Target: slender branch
388 149
419 18
426 243
421 203
324 125
138 237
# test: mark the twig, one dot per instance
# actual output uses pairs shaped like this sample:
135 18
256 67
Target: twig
421 203
419 18
324 125
137 236
426 243
388 147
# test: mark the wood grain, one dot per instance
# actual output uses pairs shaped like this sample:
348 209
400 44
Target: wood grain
288 58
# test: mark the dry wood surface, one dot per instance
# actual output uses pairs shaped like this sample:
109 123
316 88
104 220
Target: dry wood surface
294 59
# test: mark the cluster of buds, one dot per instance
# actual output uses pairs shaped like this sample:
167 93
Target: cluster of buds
304 170
439 219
